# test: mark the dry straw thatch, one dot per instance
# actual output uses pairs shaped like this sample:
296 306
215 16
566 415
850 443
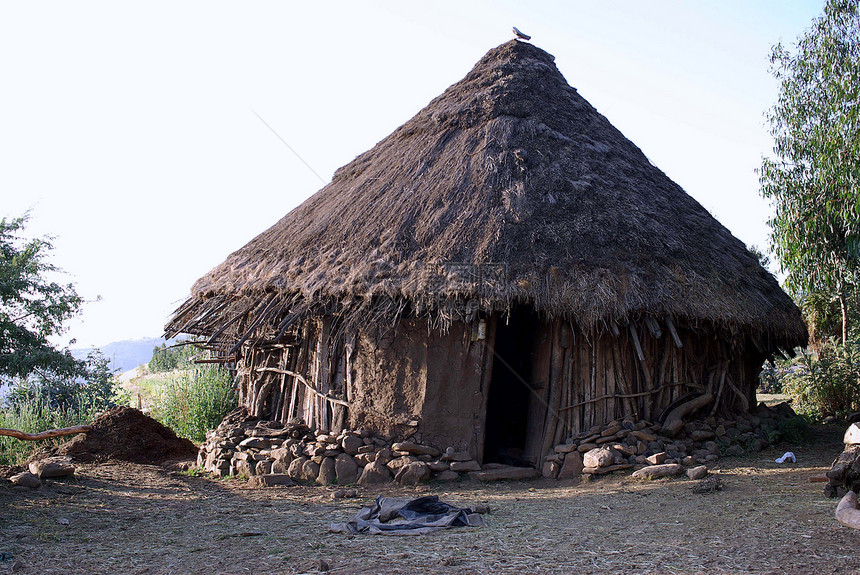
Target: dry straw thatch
507 189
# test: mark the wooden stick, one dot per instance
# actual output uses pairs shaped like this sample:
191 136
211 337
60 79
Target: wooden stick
674 333
626 395
745 404
45 434
305 382
635 335
653 327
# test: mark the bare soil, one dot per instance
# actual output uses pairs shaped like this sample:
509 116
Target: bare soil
131 518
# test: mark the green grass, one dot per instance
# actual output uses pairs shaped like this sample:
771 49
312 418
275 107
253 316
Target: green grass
193 401
32 417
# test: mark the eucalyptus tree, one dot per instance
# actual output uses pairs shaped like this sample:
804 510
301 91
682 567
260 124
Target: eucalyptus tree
813 178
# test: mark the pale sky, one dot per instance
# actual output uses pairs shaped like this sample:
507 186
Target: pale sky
129 131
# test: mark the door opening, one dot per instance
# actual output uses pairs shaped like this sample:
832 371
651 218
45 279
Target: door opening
509 394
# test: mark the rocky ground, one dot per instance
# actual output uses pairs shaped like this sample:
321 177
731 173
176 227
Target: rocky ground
119 517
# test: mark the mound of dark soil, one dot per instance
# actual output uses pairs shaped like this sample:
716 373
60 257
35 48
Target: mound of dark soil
127 434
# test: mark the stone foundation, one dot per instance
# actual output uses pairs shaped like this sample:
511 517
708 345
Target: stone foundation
244 445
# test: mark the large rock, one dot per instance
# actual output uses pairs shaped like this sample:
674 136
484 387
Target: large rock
345 469
327 475
599 457
52 467
296 468
852 435
351 444
413 473
572 466
374 473
310 470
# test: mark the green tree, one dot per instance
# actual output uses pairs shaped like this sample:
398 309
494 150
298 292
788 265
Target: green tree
812 180
32 308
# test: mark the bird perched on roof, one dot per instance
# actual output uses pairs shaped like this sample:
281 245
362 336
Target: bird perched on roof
520 35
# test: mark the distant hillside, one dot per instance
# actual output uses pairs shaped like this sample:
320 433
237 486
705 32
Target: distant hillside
127 354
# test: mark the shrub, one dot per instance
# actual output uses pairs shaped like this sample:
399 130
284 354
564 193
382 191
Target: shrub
828 382
193 401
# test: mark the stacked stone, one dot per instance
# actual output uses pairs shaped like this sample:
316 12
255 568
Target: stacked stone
271 452
844 474
628 444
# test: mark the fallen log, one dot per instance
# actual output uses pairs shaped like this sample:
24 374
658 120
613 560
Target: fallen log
847 513
675 420
45 434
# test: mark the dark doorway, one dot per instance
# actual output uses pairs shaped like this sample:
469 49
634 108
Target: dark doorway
509 395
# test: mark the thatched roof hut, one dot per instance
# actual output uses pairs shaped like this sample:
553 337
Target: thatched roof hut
508 204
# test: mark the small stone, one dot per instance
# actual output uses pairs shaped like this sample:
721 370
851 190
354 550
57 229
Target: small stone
383 456
344 493
470 465
26 479
643 435
416 449
697 472
565 448
439 465
702 435
585 447
398 463
506 472
606 469
254 443
551 469
52 467
446 475
657 471
451 455
363 459
263 467
270 479
366 449
657 458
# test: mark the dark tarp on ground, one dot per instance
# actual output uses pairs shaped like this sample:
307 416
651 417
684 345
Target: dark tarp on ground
394 516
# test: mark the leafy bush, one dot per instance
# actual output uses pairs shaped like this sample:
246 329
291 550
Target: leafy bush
792 430
193 401
828 382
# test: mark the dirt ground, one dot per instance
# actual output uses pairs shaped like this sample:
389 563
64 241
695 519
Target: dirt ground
130 518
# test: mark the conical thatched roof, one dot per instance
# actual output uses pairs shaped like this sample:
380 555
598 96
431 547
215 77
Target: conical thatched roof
508 188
